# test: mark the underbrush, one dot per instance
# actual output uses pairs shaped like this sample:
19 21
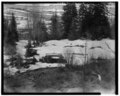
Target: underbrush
67 77
104 67
12 81
57 78
90 71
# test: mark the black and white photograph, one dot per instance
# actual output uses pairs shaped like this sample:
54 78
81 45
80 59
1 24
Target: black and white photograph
59 47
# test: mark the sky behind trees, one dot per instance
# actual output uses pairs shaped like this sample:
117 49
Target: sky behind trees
48 9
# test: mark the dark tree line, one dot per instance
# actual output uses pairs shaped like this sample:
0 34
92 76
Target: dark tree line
90 21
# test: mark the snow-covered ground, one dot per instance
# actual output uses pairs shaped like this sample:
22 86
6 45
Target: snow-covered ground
95 49
13 70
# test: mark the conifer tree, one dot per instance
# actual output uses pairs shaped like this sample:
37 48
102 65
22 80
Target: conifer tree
53 27
101 26
12 35
94 20
70 12
56 27
75 31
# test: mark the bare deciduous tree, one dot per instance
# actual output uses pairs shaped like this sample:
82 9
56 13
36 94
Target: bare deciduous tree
35 22
68 54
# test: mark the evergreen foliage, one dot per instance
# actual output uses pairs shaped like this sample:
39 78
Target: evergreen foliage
56 28
70 12
75 30
94 21
12 35
101 26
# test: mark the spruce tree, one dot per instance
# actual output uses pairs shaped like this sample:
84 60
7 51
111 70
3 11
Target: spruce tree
53 27
60 29
75 31
70 12
94 20
101 24
12 35
84 18
56 27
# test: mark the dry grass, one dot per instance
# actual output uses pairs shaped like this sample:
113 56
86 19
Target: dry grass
68 77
